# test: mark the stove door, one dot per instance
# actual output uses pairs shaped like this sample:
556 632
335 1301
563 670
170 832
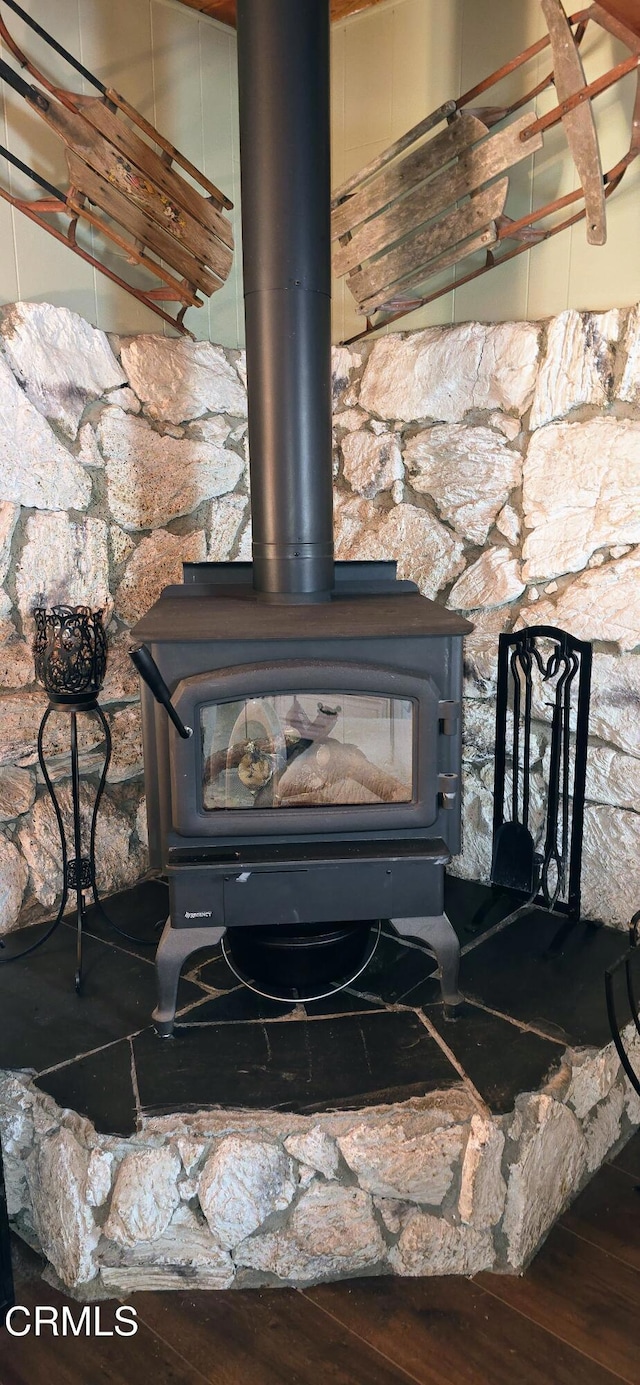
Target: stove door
298 748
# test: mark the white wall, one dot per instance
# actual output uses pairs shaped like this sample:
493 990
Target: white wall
391 66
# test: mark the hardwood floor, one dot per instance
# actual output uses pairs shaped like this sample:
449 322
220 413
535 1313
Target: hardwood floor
573 1319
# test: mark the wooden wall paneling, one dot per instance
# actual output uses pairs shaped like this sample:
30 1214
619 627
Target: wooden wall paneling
626 10
219 79
225 10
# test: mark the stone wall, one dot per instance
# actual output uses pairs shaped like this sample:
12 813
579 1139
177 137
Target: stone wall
436 1185
499 464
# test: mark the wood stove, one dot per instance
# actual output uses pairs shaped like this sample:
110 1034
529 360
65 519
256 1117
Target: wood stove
301 718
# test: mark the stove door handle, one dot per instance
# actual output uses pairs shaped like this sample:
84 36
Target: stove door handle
151 675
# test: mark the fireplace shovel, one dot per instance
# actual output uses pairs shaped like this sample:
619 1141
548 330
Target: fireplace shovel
514 865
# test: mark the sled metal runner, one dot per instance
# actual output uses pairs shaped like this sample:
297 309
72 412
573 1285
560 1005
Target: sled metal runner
121 186
426 205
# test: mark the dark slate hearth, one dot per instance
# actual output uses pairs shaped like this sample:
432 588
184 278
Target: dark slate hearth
397 972
499 1058
297 1065
237 1004
474 908
547 973
383 1040
99 1086
133 918
45 1023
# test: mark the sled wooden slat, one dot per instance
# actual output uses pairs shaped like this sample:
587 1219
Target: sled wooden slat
86 181
217 197
394 225
579 124
175 290
100 155
400 178
422 128
415 255
132 147
474 166
67 238
399 293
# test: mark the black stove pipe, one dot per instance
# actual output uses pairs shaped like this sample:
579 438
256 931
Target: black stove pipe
283 67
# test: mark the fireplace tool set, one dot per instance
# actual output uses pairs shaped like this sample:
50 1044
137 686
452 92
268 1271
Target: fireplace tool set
539 669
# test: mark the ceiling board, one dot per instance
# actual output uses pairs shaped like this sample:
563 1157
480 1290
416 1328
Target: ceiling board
628 11
225 10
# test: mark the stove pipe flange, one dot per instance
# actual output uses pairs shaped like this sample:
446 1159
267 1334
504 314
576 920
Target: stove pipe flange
283 68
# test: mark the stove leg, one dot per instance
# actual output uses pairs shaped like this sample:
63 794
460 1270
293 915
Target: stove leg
442 939
176 944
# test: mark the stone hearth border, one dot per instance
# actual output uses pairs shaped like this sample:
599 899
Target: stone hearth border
219 1199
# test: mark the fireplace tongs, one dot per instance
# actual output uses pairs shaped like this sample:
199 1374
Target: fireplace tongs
151 675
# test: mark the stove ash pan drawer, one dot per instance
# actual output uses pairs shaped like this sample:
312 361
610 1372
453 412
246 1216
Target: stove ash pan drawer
306 894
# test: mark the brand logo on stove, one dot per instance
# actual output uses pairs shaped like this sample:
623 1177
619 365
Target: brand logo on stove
198 914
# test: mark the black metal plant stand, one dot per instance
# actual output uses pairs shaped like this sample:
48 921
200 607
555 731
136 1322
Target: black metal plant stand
70 650
71 659
78 870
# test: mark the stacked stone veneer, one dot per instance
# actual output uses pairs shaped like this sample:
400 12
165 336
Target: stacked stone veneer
431 1186
499 464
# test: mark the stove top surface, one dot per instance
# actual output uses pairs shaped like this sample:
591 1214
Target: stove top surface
200 612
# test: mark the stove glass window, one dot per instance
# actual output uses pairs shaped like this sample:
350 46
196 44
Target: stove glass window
306 750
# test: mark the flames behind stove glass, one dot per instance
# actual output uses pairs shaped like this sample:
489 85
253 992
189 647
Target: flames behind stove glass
307 750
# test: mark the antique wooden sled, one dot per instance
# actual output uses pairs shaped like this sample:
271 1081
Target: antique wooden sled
127 188
431 201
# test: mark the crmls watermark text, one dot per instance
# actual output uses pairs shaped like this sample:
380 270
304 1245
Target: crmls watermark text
69 1322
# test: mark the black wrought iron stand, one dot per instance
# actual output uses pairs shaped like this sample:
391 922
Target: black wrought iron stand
70 650
541 870
78 870
549 876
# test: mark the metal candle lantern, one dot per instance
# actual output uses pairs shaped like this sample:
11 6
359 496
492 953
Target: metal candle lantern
70 649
